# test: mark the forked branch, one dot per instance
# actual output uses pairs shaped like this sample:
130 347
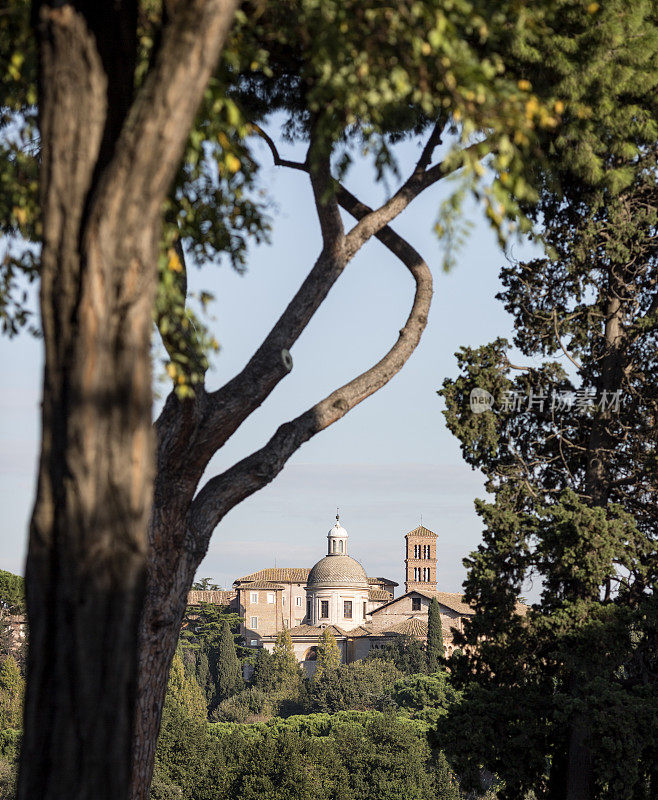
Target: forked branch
229 406
223 492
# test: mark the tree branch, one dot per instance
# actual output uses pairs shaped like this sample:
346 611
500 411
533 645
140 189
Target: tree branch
419 180
151 142
223 492
229 406
562 347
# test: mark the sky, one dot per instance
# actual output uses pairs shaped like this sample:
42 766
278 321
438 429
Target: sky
389 463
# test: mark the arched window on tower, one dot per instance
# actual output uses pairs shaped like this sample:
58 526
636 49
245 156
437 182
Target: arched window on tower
340 546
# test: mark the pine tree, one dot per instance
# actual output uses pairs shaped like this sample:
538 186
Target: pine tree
329 656
435 648
229 674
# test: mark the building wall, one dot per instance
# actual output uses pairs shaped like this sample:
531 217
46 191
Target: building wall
294 604
262 606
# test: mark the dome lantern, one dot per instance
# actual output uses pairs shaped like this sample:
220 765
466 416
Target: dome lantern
337 540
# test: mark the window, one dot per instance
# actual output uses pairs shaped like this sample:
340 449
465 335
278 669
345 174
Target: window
347 609
254 623
364 610
415 603
308 610
271 597
324 609
253 597
340 546
298 601
283 599
254 642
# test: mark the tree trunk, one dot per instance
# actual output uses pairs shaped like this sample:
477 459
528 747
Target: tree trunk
86 558
580 766
108 156
170 575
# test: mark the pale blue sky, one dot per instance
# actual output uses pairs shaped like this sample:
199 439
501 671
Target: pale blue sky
389 461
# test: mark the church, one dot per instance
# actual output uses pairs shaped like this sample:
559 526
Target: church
362 612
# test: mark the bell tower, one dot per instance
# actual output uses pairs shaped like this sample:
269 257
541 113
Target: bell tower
420 559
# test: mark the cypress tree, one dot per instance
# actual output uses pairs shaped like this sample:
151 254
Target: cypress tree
229 674
435 649
569 454
203 676
329 656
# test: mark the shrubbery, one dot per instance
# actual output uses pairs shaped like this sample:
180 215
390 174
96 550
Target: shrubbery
345 756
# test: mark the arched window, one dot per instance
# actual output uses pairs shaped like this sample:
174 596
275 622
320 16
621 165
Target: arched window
340 546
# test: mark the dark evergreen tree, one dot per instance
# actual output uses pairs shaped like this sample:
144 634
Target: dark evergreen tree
407 654
229 674
264 675
203 676
569 451
435 648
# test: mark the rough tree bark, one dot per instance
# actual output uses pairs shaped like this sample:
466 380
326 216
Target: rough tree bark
108 156
190 432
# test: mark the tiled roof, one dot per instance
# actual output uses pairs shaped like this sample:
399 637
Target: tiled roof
360 630
283 574
421 531
312 631
262 585
379 594
410 627
387 581
221 597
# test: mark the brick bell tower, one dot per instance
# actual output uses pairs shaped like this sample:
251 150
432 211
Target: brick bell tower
420 559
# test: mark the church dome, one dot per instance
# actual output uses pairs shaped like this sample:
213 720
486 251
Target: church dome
338 570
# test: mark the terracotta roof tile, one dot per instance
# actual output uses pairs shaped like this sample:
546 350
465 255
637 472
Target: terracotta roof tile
262 585
285 574
220 597
387 581
312 631
379 594
421 531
